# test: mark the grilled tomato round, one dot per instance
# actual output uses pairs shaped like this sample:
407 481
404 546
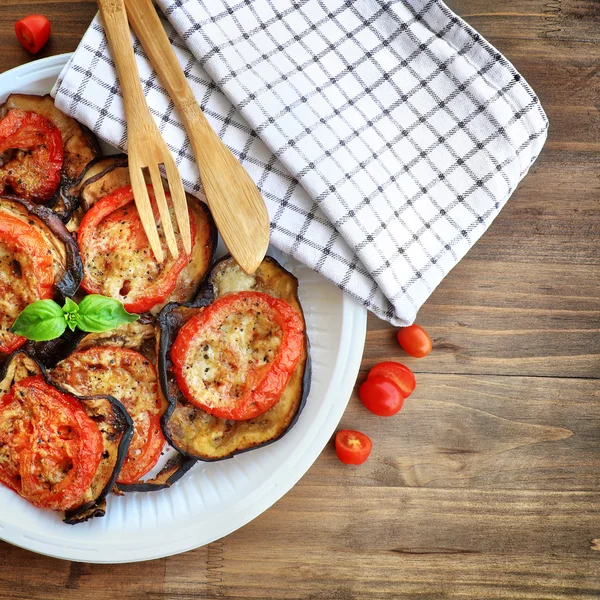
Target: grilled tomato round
117 258
236 356
26 274
34 170
131 378
50 449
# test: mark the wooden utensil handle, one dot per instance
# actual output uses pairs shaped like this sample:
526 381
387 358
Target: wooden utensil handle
149 29
114 18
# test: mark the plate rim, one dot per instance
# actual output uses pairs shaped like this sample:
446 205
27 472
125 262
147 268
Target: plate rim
341 383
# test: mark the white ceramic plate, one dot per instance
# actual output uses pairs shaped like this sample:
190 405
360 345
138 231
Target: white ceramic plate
213 499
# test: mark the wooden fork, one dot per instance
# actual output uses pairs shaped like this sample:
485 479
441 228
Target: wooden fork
145 145
234 200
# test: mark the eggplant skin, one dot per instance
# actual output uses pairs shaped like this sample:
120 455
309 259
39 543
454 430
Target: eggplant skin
172 472
57 234
100 177
112 419
188 428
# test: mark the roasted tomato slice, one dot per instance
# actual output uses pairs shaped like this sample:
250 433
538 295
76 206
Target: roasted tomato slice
54 448
15 436
33 171
26 274
131 378
235 358
117 258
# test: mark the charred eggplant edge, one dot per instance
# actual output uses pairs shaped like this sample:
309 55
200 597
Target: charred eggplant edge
176 468
73 202
96 507
205 297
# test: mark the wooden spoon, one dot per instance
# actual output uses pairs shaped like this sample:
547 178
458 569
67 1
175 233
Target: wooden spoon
234 200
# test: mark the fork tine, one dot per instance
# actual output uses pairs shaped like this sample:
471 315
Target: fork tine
142 202
163 209
179 202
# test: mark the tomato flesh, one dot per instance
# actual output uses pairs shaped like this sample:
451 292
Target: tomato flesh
33 32
34 170
26 274
401 375
131 378
117 258
414 341
381 396
352 447
55 448
235 358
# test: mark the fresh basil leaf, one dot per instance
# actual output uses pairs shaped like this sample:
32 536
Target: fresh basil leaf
40 321
98 313
71 312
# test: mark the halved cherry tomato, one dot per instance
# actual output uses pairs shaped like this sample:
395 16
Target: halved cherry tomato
235 358
131 378
55 447
414 341
33 32
381 396
33 172
26 274
352 447
401 375
117 258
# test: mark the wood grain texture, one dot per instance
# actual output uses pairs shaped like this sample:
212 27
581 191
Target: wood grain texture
238 208
487 484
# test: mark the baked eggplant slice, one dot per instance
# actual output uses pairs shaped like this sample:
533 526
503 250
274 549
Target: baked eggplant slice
38 259
117 259
189 428
121 363
89 437
79 143
100 177
176 467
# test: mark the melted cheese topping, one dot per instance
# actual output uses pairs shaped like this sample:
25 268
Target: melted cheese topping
232 280
220 367
119 257
16 288
125 374
14 432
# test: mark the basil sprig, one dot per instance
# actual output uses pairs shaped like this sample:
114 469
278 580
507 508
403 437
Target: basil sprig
45 320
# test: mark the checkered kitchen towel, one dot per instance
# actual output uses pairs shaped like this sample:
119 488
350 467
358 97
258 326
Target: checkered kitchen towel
385 136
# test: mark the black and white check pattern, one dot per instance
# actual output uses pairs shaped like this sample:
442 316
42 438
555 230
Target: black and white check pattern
385 136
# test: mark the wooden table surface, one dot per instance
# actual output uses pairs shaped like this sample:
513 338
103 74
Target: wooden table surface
487 484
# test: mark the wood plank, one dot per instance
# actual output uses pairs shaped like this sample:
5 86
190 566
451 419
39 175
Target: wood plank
69 20
487 484
482 487
510 318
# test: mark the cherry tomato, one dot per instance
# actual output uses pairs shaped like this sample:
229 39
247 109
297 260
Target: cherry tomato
402 376
352 447
33 32
381 396
414 341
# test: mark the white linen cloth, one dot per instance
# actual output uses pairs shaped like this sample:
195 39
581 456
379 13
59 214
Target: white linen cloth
385 136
